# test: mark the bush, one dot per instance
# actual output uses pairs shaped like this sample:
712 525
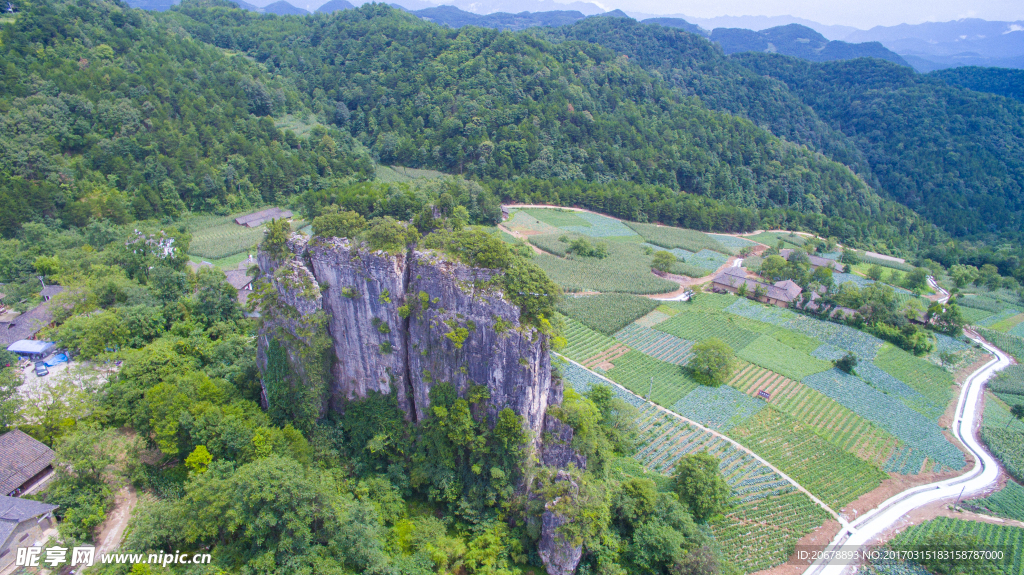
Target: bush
339 225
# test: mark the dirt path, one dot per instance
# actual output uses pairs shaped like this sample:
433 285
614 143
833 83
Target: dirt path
112 530
520 236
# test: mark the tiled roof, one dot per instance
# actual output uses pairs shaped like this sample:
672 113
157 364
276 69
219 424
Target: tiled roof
785 291
238 278
14 510
51 290
254 219
21 458
26 325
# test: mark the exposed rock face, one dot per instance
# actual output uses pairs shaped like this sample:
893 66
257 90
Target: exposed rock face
560 557
402 323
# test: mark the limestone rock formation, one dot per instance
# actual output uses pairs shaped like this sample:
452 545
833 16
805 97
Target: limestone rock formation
559 555
400 323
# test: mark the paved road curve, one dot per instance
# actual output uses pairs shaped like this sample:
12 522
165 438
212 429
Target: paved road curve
983 474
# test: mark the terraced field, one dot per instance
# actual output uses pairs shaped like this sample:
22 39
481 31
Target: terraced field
844 428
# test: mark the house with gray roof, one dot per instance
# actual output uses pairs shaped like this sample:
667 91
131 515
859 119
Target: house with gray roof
815 261
24 461
26 325
23 523
778 294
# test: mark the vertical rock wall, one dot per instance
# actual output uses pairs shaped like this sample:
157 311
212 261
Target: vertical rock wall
403 323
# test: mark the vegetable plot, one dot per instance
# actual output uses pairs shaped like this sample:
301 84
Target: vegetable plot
635 371
1007 538
720 408
814 463
657 344
1007 502
837 424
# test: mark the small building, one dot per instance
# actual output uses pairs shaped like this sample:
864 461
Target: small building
50 291
815 261
241 280
196 267
26 325
259 218
24 462
504 213
23 523
779 294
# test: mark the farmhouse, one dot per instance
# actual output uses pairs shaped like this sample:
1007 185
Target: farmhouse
23 523
26 325
815 261
241 280
23 462
259 218
779 294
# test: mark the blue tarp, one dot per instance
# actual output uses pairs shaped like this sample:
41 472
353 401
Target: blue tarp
30 347
57 359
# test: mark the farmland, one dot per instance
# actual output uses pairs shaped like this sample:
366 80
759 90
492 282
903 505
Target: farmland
656 344
606 313
635 372
1006 538
217 237
584 342
926 378
557 218
842 427
719 408
1009 380
698 326
768 514
1011 344
669 237
780 358
757 534
811 461
921 435
525 223
1008 502
732 243
627 269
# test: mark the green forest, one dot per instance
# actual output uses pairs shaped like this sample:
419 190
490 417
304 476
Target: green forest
119 128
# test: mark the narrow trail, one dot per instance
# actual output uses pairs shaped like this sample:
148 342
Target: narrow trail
734 443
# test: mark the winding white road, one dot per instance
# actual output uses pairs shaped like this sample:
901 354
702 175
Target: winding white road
983 474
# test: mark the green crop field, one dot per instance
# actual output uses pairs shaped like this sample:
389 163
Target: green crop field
772 238
926 378
698 326
627 269
558 218
606 313
1008 502
583 342
839 425
769 353
636 372
814 463
669 237
1009 343
400 174
1004 435
1005 537
757 535
656 344
1009 380
217 237
1009 323
524 222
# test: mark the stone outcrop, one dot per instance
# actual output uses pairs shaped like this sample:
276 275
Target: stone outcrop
559 555
400 323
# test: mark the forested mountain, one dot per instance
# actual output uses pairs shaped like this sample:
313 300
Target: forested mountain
106 114
953 155
552 104
452 16
1001 81
492 105
799 41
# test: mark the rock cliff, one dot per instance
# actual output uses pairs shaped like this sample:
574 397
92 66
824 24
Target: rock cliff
400 323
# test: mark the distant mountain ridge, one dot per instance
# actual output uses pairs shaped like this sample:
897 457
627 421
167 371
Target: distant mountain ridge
801 42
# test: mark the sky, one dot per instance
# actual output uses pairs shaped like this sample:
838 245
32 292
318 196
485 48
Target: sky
858 13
